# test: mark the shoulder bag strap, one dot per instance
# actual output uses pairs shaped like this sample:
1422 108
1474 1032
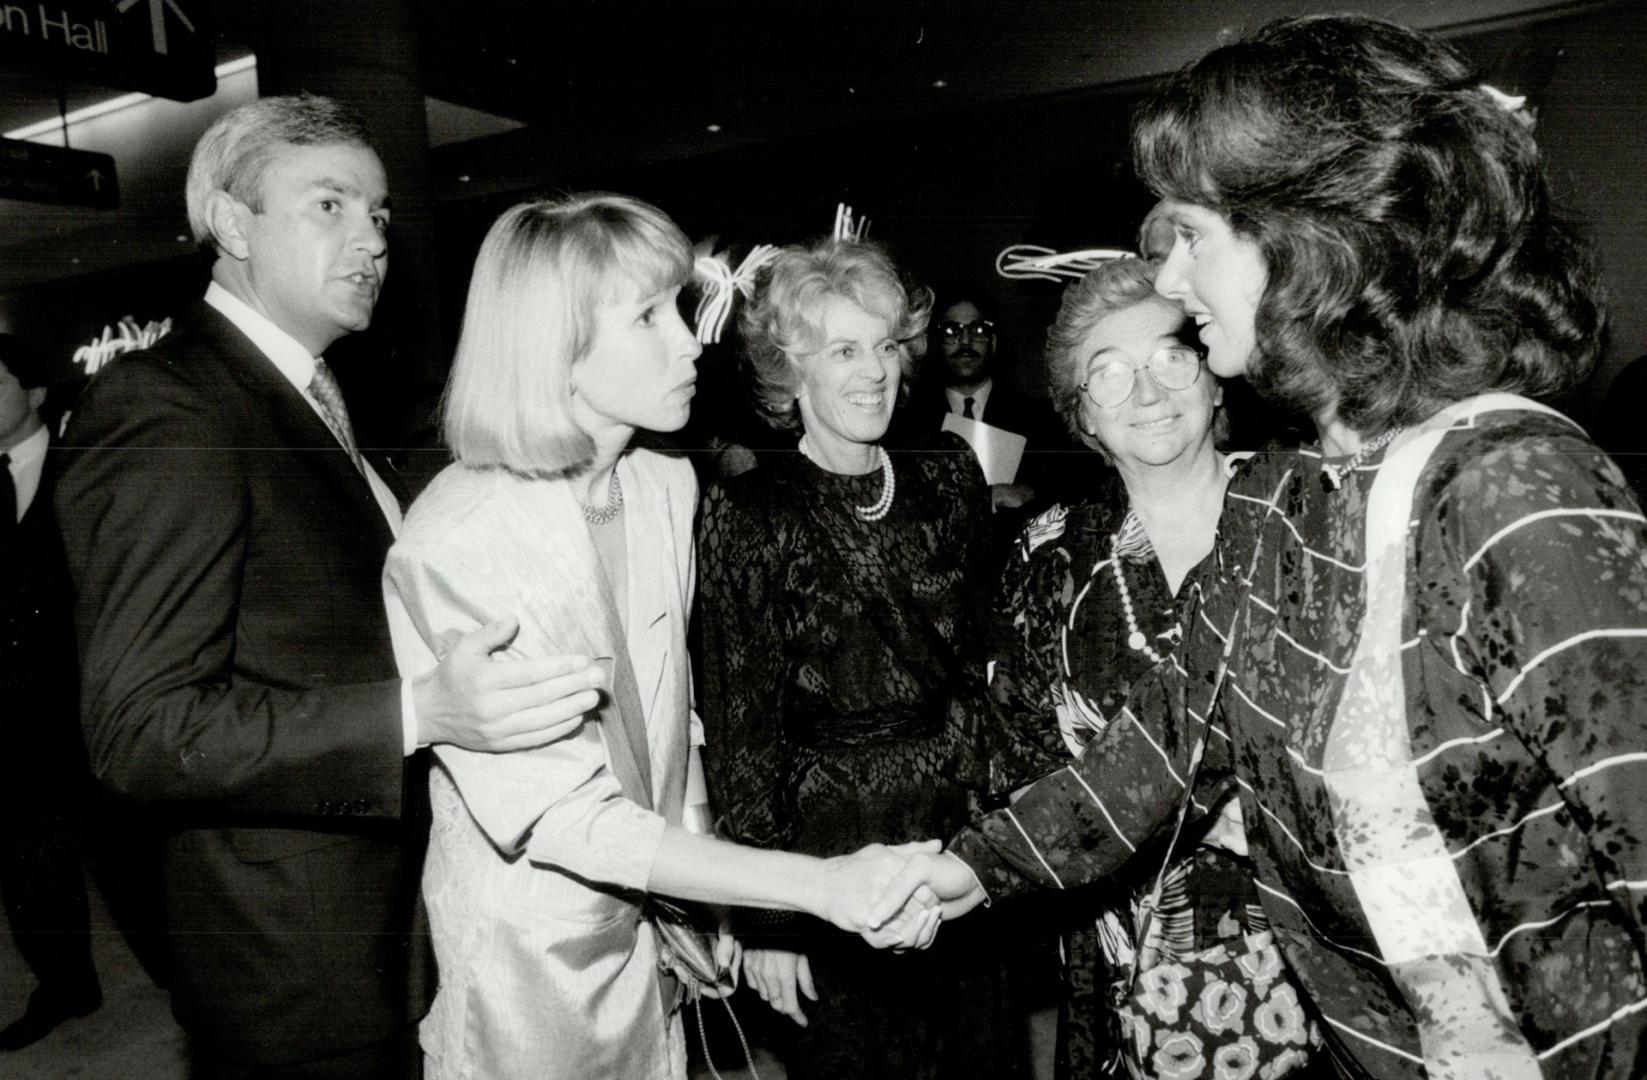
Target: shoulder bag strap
1199 751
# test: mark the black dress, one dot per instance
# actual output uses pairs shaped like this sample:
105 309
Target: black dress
844 703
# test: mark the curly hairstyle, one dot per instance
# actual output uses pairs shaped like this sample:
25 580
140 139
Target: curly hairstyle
779 326
1414 255
1114 286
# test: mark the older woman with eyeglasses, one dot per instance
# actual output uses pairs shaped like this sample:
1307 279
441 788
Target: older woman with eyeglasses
1088 605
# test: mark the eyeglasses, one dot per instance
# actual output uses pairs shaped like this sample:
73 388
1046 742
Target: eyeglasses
978 328
1173 368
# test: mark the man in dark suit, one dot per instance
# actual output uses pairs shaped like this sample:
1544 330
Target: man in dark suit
959 378
226 538
45 791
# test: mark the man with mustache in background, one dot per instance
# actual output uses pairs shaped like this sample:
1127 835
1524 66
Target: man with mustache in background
226 536
958 377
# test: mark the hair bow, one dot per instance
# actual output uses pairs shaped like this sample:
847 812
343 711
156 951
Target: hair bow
1028 261
131 338
721 284
848 228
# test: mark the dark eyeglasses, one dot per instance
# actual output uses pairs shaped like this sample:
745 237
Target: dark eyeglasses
955 331
1173 368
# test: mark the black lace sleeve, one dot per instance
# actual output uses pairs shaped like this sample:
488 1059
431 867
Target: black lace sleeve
746 759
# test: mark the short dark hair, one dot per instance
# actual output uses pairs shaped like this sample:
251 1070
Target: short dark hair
1413 252
26 365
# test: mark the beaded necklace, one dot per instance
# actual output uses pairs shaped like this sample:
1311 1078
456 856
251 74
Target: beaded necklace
1332 476
1130 539
602 515
876 510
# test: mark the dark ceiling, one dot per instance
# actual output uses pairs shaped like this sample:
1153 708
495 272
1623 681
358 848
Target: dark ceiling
604 86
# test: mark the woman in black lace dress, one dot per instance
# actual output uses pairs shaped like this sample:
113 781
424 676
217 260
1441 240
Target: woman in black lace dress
843 694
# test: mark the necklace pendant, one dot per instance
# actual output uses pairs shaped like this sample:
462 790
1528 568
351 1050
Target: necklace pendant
1135 641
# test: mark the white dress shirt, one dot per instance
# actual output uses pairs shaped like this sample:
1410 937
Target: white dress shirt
28 461
294 362
957 400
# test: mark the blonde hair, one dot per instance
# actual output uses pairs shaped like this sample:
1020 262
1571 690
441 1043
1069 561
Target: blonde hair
779 327
542 270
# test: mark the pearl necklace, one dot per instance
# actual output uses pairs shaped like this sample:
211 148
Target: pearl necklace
602 515
1136 641
1332 476
876 510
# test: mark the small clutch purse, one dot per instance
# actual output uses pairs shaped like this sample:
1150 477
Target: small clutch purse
684 946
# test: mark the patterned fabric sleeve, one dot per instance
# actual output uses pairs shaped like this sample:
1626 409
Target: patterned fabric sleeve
745 757
1083 822
1545 575
1024 743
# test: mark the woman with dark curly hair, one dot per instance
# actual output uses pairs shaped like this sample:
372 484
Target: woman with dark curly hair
843 678
1434 621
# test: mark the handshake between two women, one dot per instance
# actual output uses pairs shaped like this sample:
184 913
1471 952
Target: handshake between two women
894 896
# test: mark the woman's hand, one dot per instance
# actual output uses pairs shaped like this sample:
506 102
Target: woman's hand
780 977
853 883
943 877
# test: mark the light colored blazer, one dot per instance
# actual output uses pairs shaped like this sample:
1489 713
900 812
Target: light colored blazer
536 858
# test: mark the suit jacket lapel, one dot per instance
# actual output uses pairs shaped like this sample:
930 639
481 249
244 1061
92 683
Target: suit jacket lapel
297 419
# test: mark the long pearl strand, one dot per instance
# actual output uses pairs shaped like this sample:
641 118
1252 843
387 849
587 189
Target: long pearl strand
1136 640
876 510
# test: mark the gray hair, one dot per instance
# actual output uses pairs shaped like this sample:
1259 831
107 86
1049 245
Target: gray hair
237 150
1113 286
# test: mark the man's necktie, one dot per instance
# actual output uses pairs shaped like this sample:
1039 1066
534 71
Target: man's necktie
8 497
324 389
966 410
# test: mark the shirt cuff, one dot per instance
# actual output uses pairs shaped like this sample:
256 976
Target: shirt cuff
408 720
994 875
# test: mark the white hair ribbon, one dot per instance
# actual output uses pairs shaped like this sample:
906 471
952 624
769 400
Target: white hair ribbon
848 228
1508 102
1030 261
721 284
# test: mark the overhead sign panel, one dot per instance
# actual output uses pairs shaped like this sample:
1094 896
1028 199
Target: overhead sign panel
160 47
49 174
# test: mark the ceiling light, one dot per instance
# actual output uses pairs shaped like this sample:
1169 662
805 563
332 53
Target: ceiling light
713 129
939 84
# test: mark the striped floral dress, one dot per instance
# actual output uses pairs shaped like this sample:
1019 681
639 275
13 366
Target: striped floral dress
1523 656
1061 666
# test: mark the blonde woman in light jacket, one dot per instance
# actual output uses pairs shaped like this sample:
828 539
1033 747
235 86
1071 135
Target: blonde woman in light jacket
539 859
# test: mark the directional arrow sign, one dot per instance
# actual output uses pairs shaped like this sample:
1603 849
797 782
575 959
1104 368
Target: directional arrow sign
50 174
161 47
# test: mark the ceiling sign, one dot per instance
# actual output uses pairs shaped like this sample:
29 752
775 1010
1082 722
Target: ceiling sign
34 172
160 47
